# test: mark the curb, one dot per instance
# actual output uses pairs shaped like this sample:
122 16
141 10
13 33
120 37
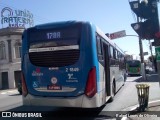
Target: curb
6 90
150 104
132 108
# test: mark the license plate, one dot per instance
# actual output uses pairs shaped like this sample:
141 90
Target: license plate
54 87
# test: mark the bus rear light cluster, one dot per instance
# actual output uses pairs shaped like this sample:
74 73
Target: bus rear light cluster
24 87
91 86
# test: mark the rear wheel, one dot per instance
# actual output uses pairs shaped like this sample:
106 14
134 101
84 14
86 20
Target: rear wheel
125 78
20 92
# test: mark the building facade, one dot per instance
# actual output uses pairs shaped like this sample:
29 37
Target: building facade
128 57
10 57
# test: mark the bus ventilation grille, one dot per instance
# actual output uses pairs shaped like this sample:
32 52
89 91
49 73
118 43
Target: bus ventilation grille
54 58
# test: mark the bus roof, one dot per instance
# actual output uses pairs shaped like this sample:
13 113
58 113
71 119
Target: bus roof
108 40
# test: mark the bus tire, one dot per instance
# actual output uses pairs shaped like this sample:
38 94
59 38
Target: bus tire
125 78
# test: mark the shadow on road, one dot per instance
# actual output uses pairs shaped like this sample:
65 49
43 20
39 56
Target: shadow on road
64 113
17 94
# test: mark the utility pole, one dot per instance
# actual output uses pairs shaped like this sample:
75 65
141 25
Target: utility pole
148 29
140 46
141 56
150 47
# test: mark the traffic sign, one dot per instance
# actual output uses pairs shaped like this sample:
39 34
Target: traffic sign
144 53
118 34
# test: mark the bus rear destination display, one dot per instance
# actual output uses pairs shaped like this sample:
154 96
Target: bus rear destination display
53 35
38 34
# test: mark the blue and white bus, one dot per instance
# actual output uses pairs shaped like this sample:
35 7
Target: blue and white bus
70 64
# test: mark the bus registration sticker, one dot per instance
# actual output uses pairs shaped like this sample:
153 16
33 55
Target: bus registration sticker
54 87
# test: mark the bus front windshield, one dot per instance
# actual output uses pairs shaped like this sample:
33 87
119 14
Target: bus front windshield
134 63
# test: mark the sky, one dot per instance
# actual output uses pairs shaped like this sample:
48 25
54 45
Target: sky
109 15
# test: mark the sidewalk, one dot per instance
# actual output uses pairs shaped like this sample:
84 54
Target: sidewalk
8 91
152 77
150 113
4 90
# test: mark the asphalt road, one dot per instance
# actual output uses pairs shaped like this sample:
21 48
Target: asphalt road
125 97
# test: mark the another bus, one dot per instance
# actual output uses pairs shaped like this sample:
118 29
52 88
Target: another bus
70 64
133 67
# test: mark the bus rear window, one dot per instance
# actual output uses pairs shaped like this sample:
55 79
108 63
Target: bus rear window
55 43
55 46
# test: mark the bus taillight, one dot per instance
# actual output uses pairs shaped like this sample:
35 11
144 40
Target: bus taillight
24 87
91 86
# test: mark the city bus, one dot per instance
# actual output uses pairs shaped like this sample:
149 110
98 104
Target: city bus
133 67
70 64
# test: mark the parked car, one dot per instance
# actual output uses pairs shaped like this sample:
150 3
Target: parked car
20 87
149 70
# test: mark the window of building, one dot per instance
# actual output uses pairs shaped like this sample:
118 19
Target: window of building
18 47
2 51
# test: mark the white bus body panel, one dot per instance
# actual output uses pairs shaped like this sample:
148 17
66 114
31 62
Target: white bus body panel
81 101
102 85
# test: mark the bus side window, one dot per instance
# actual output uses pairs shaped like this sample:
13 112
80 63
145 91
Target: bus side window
111 52
120 60
119 56
99 49
115 54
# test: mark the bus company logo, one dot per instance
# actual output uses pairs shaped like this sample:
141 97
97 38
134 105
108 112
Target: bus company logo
53 68
37 72
16 18
54 80
6 114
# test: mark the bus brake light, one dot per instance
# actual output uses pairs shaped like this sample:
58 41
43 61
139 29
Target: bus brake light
91 86
24 87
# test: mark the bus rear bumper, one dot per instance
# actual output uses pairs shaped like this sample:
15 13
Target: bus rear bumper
80 101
